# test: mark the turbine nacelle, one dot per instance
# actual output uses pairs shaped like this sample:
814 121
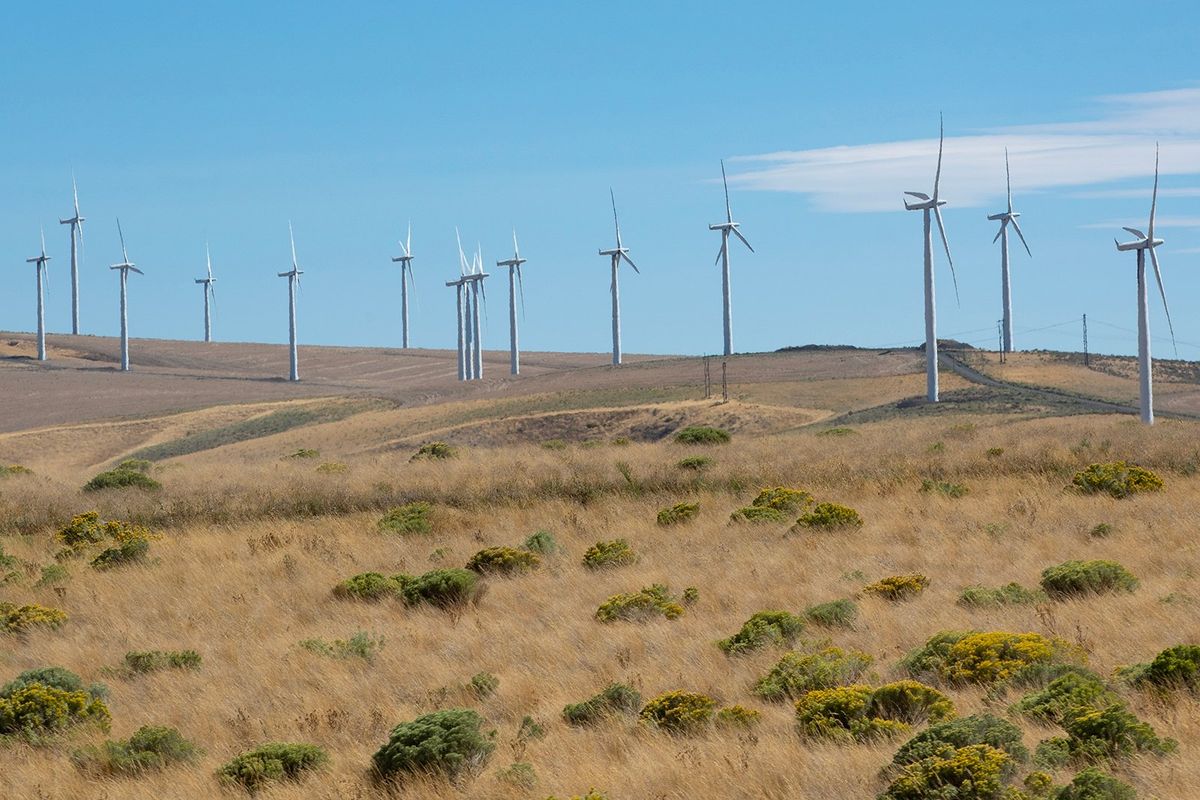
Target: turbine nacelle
616 251
1143 243
1004 216
724 226
127 266
289 274
926 202
511 262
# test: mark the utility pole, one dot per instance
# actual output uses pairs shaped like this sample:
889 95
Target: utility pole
707 380
724 384
1086 361
1000 338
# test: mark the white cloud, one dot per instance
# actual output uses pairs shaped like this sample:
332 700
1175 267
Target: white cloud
1140 223
1117 146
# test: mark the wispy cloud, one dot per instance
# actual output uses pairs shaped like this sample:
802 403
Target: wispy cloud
1159 222
1117 146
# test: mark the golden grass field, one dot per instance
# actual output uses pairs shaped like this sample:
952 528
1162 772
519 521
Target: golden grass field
253 544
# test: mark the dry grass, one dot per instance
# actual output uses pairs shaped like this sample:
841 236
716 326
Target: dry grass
253 545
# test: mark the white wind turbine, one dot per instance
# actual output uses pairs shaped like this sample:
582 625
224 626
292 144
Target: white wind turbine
293 276
514 280
1146 243
931 206
40 266
1005 217
477 289
125 267
209 293
462 334
727 227
469 301
405 261
616 254
76 223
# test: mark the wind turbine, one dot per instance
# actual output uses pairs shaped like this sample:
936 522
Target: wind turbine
209 292
125 267
1005 218
616 254
477 288
40 266
514 280
931 206
470 329
405 262
76 223
293 276
727 227
1146 243
462 334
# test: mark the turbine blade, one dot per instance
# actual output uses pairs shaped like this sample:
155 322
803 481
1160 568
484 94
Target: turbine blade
1017 227
208 261
1002 224
75 190
616 224
121 233
721 251
135 269
1162 291
1135 232
918 195
1154 196
408 241
937 212
43 243
630 261
937 176
516 247
521 287
745 241
1008 176
462 257
292 237
728 210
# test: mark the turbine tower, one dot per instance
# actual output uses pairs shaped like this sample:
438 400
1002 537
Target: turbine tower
76 223
40 266
931 206
405 262
1005 217
462 334
727 227
514 280
293 276
477 288
470 329
125 267
1146 243
616 254
209 293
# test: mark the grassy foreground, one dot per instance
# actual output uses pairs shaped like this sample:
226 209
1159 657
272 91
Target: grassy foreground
251 551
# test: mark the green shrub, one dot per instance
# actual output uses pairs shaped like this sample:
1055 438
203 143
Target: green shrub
56 678
1092 784
434 451
1095 734
1086 577
408 518
612 700
615 553
652 601
759 514
909 702
834 614
1116 479
838 432
701 434
974 772
136 464
360 645
503 560
483 684
762 629
14 469
944 488
1101 530
519 774
332 468
1065 694
1012 594
442 587
155 660
781 498
448 743
679 712
695 463
370 586
898 587
554 444
87 530
738 717
132 551
944 737
18 619
1174 668
268 763
841 714
53 575
83 531
680 512
35 709
304 452
830 515
983 658
797 673
542 543
121 479
149 748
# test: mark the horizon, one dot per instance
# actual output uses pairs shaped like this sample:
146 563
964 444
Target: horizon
213 147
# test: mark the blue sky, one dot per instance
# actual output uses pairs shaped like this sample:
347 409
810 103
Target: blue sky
222 123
